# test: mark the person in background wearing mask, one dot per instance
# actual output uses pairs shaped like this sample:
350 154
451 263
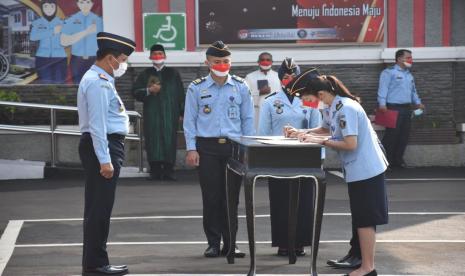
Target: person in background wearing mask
79 32
103 123
397 91
50 61
262 82
161 90
217 106
279 110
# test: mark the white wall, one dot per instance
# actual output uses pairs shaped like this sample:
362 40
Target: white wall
118 17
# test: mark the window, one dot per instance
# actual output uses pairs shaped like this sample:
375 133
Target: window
30 15
17 17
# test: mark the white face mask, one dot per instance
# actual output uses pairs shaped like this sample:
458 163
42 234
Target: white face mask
158 62
123 66
408 65
265 68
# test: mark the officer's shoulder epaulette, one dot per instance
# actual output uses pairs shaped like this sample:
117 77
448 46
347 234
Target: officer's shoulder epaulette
239 79
272 94
339 105
103 77
198 81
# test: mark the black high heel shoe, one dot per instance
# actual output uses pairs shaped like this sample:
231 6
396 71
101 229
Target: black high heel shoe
372 273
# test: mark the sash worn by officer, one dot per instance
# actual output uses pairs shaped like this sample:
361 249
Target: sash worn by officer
217 106
103 123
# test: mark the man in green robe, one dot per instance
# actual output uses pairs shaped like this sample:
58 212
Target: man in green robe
161 90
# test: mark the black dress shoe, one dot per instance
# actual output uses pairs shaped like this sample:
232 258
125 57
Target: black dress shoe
372 273
343 259
169 177
282 252
300 252
212 252
237 252
153 177
108 270
351 262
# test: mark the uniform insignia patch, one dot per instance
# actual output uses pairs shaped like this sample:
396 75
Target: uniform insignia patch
342 124
207 109
103 77
339 105
239 79
199 80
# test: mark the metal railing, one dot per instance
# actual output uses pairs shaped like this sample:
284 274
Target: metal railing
53 130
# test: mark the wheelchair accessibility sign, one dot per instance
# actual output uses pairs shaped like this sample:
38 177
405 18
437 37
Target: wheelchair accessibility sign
167 29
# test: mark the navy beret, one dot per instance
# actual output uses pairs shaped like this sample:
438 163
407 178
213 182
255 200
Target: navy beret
288 67
218 49
300 83
116 42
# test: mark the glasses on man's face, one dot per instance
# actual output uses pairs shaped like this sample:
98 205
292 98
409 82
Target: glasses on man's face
265 59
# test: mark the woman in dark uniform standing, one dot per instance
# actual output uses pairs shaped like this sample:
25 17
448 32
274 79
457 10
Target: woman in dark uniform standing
281 109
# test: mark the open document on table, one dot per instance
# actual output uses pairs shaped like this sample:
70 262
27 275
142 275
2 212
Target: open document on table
278 140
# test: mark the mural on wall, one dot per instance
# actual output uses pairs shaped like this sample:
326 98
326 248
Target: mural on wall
48 41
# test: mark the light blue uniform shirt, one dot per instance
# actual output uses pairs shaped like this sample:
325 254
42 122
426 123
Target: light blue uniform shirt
217 111
346 117
397 86
100 110
277 111
87 46
49 43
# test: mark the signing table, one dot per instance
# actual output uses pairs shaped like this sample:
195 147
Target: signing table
254 158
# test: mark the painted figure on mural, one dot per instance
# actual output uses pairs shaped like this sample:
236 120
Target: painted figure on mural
80 32
50 60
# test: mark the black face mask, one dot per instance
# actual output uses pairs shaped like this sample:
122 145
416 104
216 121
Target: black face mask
48 18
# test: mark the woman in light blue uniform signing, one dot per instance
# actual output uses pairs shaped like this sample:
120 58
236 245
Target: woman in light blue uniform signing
278 110
362 157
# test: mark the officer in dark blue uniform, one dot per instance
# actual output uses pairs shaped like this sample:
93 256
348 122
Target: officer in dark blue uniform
103 123
217 107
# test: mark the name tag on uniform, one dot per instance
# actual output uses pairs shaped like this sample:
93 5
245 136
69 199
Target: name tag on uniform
205 97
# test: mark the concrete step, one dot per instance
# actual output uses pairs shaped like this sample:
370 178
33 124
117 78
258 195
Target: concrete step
24 169
21 169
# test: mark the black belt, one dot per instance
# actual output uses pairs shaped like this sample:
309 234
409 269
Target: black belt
113 136
407 105
217 140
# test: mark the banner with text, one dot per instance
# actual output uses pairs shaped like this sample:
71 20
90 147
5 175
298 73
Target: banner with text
293 21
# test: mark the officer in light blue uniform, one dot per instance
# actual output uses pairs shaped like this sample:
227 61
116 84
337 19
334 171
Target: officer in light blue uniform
79 32
363 162
397 91
103 123
50 60
346 117
281 109
217 107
